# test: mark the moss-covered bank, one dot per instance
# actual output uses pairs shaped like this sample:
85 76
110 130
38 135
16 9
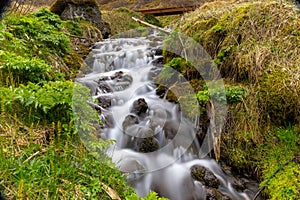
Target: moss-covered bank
255 44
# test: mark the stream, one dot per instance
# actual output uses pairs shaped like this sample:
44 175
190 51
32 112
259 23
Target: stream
155 146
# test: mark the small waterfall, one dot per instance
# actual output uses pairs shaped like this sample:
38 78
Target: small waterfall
155 144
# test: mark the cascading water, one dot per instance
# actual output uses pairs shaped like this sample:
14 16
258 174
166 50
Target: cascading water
155 144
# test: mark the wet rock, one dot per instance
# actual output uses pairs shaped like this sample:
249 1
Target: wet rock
158 62
146 145
158 51
171 129
81 10
153 73
157 117
139 107
129 121
125 78
104 88
143 138
130 165
205 176
123 82
213 194
236 182
104 102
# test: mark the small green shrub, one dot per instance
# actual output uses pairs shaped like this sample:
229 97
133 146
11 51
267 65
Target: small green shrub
51 102
41 31
24 70
234 94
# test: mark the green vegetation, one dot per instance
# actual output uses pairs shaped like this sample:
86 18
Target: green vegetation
279 155
255 46
120 20
41 153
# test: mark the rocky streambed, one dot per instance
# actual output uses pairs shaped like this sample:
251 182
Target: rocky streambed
156 144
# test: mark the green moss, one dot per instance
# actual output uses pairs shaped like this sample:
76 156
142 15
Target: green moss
279 157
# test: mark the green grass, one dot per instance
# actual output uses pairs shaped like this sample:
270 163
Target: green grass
61 168
41 153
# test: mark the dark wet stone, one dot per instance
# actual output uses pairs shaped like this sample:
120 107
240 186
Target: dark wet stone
81 10
171 128
104 88
124 81
158 52
125 78
129 121
213 194
158 62
153 73
205 176
130 165
146 145
109 121
104 102
139 107
236 182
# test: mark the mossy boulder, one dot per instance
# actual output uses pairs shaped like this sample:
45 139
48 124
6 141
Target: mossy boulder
87 10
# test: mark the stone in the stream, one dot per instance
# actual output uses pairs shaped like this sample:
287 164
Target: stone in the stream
122 81
205 176
146 145
129 121
144 140
104 88
214 194
144 132
236 182
153 73
104 102
171 129
130 165
139 107
158 62
158 51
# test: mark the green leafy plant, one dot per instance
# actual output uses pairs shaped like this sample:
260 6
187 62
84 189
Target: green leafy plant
41 31
233 94
24 69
